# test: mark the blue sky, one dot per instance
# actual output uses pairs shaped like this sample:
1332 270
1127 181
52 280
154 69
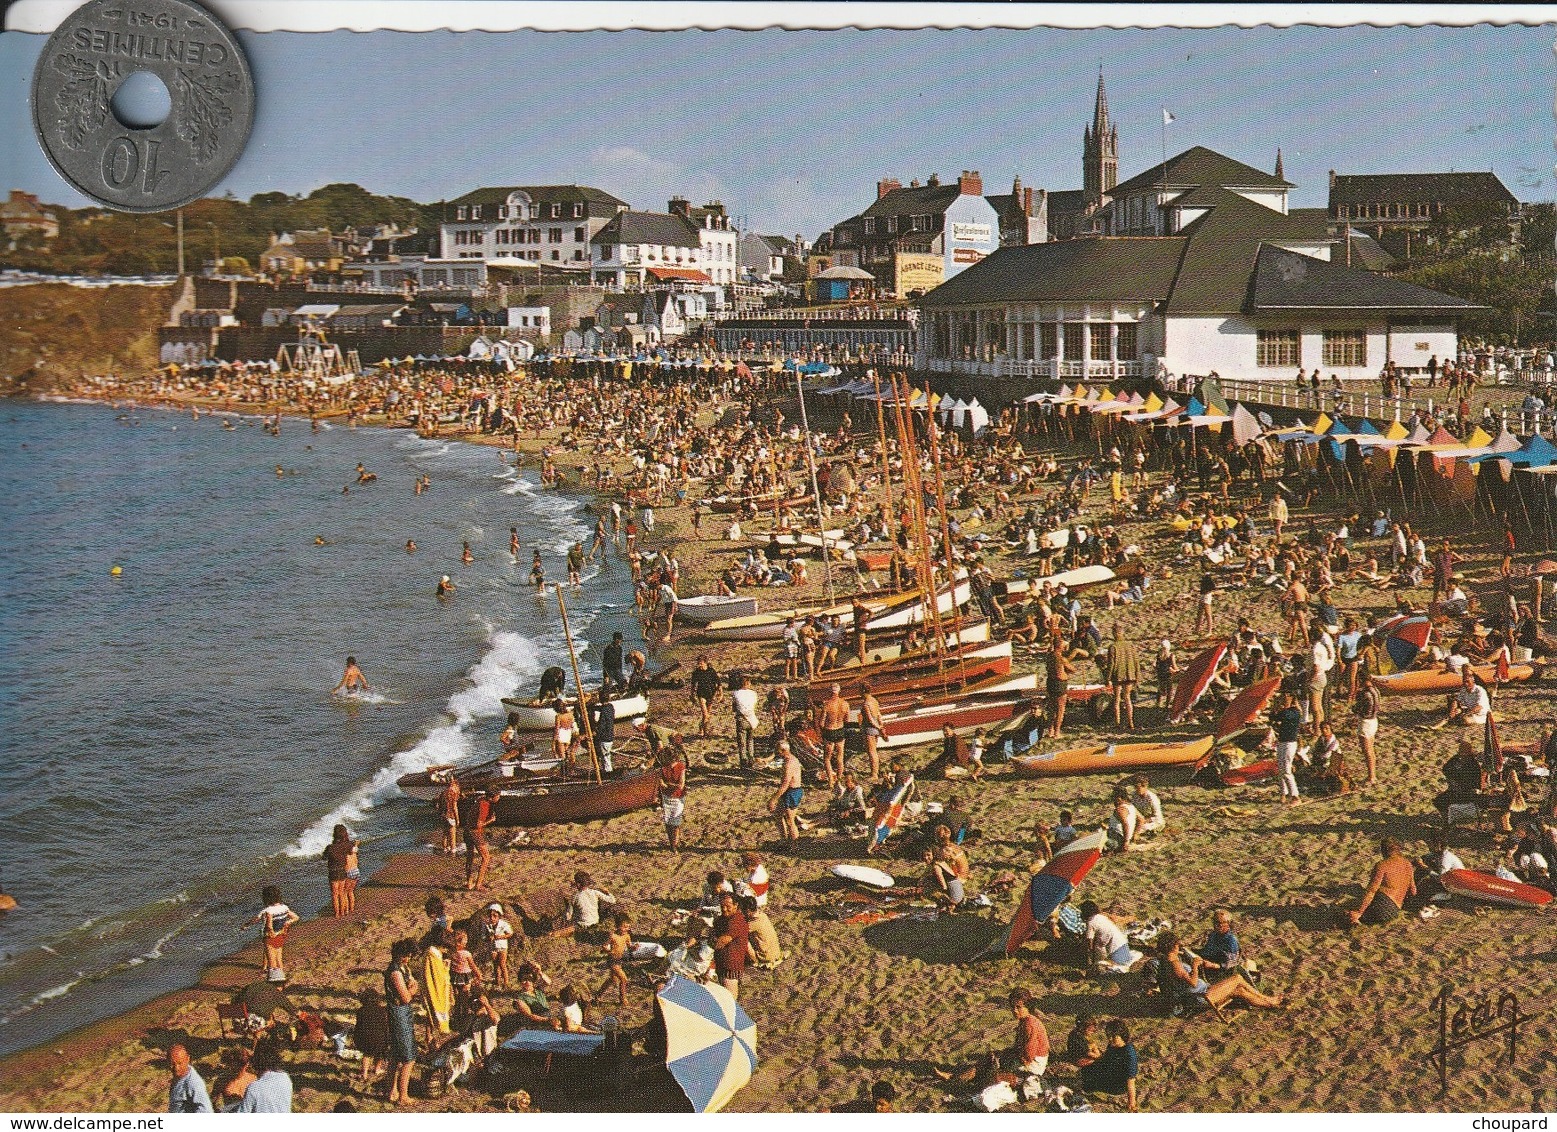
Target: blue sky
792 129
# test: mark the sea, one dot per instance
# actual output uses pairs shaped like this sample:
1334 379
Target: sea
170 632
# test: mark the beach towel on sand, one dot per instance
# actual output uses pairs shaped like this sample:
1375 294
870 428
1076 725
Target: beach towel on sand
436 988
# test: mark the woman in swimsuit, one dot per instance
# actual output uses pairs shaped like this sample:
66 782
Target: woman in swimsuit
562 731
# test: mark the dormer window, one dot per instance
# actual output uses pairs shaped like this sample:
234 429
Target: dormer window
556 210
459 212
475 212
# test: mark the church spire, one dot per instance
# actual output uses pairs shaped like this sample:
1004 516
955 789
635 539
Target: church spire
1279 174
1100 149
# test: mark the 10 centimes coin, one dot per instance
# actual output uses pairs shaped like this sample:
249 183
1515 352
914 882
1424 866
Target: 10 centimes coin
87 59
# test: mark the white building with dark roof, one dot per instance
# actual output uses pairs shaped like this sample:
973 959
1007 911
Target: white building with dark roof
1235 285
551 224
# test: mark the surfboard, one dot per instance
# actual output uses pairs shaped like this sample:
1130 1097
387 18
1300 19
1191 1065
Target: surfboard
863 874
1491 889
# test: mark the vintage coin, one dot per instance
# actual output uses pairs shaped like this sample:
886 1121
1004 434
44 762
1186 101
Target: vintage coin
90 54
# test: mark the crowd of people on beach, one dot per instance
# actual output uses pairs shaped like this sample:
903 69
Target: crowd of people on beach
1017 501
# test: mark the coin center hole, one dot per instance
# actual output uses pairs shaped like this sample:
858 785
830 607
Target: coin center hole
142 101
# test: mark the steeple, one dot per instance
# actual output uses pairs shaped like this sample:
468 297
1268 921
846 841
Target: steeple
1100 150
1279 174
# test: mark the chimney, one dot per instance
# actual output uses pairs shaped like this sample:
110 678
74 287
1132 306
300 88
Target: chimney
680 206
970 184
886 185
914 184
1332 180
1027 201
934 182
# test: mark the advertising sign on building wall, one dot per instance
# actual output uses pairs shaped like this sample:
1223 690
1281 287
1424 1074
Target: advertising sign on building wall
920 273
971 233
966 255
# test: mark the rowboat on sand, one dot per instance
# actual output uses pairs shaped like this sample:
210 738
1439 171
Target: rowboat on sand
1110 758
541 716
704 608
1428 682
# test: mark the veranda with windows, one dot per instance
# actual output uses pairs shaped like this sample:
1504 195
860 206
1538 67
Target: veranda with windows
1062 342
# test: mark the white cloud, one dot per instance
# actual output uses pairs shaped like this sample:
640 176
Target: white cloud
647 181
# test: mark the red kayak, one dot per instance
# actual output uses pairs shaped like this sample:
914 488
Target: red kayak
1494 889
1254 772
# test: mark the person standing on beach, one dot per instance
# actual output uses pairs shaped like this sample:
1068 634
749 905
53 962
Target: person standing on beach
275 918
186 1090
479 815
786 803
743 704
835 714
602 727
340 858
352 680
1288 725
1124 673
611 663
597 547
449 804
670 793
731 938
705 688
400 992
874 725
1366 708
575 563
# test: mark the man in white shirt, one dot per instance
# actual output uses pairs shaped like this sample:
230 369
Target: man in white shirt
186 1090
1149 806
1470 705
743 703
1108 949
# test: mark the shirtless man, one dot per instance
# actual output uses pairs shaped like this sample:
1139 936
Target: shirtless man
835 713
874 724
786 803
449 806
513 542
446 588
353 678
1393 882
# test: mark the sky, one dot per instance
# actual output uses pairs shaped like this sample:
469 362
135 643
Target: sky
791 130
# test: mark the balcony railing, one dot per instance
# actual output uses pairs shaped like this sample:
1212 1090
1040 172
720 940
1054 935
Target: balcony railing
1041 369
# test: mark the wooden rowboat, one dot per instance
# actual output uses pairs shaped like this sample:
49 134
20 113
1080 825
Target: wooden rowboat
927 723
704 608
582 800
1426 683
1110 758
543 717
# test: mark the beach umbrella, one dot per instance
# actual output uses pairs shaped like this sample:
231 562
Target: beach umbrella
1246 705
1196 679
1053 885
710 1042
1403 640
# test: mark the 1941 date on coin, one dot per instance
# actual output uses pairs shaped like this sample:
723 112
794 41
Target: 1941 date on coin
98 47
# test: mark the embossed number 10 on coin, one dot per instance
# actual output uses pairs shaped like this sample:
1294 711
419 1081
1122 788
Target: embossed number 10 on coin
128 162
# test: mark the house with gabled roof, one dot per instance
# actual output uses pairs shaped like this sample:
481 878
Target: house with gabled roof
526 224
1233 284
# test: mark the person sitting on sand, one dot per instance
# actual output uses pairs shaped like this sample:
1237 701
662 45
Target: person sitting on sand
1471 705
1116 1069
1392 884
1182 983
1086 1041
848 802
762 941
1148 805
694 959
584 906
1028 1054
1066 831
1464 778
1108 949
530 1003
1124 822
1221 952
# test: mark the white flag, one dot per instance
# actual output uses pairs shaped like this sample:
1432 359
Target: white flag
1166 117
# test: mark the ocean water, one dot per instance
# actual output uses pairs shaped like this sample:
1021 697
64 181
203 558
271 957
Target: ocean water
168 740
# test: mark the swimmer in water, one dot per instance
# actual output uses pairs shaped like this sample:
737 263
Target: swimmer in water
513 541
537 572
346 490
353 679
465 555
319 541
417 490
446 588
279 472
410 546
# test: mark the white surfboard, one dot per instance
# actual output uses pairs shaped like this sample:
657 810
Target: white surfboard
863 874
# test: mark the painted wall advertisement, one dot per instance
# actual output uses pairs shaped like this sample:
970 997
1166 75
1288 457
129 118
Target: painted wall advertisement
919 273
972 233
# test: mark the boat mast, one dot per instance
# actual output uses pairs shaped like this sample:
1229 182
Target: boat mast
914 487
583 707
886 461
940 503
821 515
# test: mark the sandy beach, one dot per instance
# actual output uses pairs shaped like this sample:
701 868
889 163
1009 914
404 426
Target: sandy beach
852 1004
